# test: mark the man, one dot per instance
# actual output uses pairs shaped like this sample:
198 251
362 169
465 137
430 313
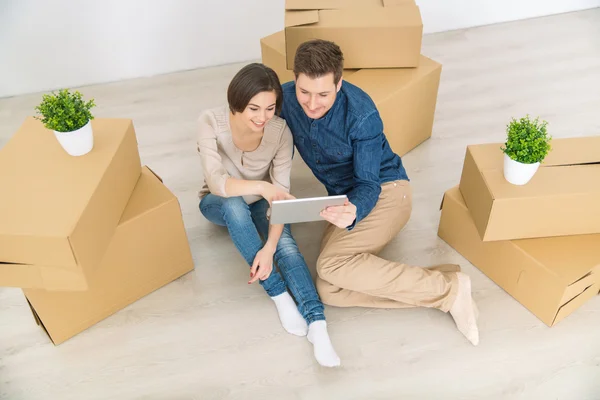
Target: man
339 134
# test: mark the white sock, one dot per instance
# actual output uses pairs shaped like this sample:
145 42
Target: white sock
290 317
464 311
323 349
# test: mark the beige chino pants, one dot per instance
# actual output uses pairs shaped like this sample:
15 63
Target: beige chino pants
351 274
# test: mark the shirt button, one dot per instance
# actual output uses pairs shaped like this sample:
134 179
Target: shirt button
318 162
314 145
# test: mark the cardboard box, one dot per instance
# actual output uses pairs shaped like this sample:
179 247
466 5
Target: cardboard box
149 250
551 277
561 199
371 33
59 212
406 98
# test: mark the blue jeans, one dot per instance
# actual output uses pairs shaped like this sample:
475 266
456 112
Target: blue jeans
246 224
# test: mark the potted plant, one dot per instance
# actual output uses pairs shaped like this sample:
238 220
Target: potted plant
70 118
526 146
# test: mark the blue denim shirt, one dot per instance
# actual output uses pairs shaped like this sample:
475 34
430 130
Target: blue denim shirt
346 149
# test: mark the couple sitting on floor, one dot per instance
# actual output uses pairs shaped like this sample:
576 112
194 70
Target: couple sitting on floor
246 150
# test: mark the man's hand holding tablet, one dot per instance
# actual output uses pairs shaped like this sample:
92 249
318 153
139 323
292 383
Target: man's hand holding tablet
335 209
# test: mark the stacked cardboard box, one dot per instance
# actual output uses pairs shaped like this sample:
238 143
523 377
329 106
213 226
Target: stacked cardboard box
540 242
85 236
381 42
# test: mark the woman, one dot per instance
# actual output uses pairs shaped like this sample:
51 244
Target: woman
246 154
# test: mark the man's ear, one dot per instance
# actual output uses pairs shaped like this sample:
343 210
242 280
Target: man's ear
339 85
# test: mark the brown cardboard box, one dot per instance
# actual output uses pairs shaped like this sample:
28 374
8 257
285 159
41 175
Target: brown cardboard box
551 277
371 33
406 98
149 250
59 212
561 199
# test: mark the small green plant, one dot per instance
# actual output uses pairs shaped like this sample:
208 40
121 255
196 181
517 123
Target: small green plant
527 141
65 111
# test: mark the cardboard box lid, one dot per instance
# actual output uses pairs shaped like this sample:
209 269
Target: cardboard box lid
382 83
45 192
572 162
352 13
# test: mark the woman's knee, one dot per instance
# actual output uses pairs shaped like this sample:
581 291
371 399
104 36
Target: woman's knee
235 209
286 247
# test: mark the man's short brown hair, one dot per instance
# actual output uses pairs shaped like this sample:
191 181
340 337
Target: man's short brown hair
318 57
251 80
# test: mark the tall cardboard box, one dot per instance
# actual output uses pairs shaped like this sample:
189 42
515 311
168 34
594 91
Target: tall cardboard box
551 277
371 33
58 213
561 199
148 250
405 97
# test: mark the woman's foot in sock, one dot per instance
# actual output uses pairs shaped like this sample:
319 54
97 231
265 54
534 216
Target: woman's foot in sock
290 317
323 349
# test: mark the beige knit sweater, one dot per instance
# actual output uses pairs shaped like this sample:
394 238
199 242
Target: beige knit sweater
221 159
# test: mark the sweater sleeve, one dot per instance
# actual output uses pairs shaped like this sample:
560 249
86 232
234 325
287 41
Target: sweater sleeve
281 166
215 174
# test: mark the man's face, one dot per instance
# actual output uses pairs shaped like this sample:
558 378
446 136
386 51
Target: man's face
316 96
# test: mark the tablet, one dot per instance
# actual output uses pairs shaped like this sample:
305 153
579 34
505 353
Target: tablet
302 210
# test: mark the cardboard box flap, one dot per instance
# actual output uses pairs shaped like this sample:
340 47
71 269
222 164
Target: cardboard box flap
152 171
391 3
573 151
382 84
149 194
575 303
298 18
334 4
377 17
276 42
40 277
578 287
568 257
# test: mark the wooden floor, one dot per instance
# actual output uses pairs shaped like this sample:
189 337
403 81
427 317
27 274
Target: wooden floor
210 335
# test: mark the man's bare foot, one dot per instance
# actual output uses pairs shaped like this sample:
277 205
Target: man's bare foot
463 310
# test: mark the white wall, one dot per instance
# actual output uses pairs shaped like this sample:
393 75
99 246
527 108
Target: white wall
45 45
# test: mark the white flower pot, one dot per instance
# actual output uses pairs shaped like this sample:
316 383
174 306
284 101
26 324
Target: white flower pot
78 142
518 173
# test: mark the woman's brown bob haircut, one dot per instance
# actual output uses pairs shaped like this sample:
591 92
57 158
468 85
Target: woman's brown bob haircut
248 82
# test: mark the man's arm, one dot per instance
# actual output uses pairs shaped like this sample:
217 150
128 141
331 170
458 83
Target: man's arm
367 144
